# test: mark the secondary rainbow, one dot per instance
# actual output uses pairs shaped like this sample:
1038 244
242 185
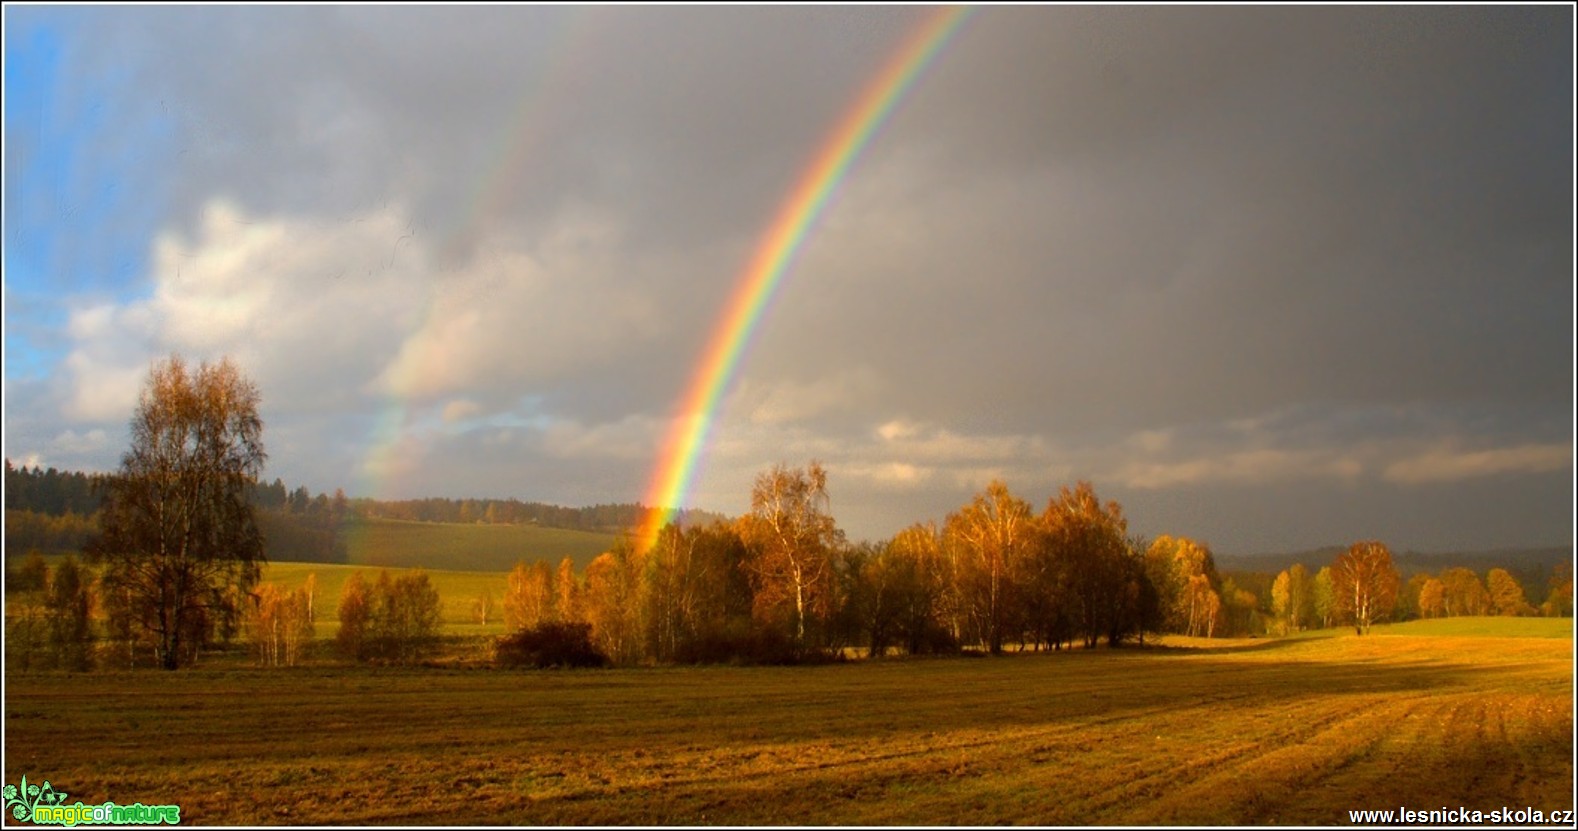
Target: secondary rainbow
395 444
681 452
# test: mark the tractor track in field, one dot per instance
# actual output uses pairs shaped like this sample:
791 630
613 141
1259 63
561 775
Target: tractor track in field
1278 733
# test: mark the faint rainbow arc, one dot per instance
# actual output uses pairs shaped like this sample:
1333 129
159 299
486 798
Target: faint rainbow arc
549 88
391 444
681 452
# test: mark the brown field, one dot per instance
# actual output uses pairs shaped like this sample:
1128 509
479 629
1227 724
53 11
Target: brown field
1250 732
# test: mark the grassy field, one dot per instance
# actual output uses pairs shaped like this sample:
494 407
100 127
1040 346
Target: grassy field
454 546
457 592
1483 627
449 546
1250 732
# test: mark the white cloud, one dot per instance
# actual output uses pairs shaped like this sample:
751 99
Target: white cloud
92 321
1449 463
1245 467
846 390
323 314
104 388
887 475
974 479
1151 441
306 308
898 429
112 351
461 409
938 446
910 459
221 286
72 442
511 319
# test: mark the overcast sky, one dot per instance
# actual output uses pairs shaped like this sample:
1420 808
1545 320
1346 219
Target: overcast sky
1273 278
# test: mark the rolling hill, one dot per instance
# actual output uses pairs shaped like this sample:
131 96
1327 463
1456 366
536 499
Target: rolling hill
456 546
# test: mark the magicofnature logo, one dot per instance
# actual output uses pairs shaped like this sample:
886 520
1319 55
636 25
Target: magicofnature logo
43 805
21 799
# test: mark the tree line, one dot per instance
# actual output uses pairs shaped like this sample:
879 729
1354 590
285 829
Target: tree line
50 491
1300 600
53 510
179 549
52 615
611 518
782 584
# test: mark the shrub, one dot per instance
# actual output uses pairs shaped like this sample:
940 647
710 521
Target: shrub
395 621
355 610
404 623
932 639
745 645
550 644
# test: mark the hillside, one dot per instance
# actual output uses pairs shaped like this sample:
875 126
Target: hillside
466 547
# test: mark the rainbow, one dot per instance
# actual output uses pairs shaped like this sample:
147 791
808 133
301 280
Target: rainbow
547 92
681 452
393 447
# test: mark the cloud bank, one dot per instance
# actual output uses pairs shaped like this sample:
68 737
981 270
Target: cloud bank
1274 277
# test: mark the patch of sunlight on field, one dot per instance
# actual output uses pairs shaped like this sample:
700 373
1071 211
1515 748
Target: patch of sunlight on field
1294 731
1187 642
467 546
457 590
1483 627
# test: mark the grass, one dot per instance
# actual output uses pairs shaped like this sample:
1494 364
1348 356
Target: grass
454 546
1291 731
457 592
1483 627
390 543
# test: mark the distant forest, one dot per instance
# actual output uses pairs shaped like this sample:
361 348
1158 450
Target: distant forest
53 510
608 519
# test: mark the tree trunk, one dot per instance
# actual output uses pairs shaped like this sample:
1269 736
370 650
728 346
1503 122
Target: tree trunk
799 612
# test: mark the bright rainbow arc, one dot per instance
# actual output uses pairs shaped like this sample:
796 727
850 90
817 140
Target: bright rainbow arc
681 453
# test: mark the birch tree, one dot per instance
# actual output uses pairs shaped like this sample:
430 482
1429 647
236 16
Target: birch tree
991 535
791 534
177 529
1365 584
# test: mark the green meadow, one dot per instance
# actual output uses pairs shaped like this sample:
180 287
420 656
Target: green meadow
458 592
447 546
456 546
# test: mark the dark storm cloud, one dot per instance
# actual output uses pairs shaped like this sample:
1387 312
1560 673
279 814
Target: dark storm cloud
1225 210
1318 254
678 116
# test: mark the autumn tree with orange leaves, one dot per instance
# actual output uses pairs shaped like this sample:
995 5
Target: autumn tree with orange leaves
991 537
792 539
1108 591
1365 584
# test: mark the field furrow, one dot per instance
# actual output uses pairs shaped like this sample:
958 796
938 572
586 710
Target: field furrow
1278 732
